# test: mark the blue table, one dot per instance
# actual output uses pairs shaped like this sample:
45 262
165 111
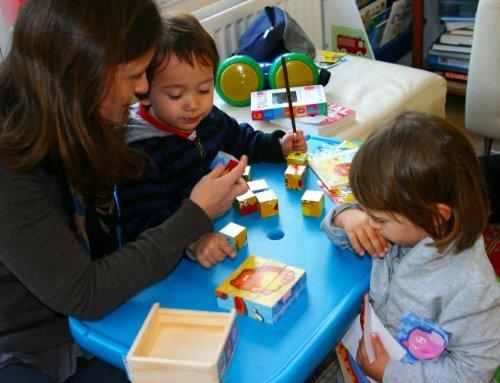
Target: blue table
287 351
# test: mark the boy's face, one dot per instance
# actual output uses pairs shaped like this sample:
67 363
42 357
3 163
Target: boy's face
395 228
181 95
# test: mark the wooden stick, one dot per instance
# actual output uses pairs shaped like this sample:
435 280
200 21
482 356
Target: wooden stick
288 94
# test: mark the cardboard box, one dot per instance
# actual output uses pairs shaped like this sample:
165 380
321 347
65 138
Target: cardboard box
272 104
182 346
261 288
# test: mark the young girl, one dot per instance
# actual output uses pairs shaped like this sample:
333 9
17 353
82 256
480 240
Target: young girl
422 208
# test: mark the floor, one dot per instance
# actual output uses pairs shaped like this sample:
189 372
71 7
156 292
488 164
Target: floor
455 112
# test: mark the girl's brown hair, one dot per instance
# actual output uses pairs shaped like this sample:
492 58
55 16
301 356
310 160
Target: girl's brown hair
55 78
184 36
416 162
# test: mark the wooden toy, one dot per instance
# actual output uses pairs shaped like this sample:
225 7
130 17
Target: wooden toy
225 159
257 185
295 177
261 288
182 346
246 203
247 175
268 203
297 158
313 203
235 234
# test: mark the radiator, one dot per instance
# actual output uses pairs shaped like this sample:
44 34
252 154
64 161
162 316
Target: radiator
226 20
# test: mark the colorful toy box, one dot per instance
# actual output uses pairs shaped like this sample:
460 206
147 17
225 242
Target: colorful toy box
295 177
312 203
268 203
261 288
235 234
246 203
182 346
272 104
297 158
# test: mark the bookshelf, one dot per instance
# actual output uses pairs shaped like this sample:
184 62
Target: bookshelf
417 26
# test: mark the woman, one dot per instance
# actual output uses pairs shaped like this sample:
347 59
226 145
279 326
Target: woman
65 88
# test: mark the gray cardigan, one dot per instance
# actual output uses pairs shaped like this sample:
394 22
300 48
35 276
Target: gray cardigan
45 275
459 292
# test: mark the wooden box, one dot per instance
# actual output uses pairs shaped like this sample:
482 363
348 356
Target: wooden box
182 346
261 288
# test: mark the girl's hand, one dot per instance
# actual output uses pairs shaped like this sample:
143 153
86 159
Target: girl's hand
361 235
293 142
211 249
376 369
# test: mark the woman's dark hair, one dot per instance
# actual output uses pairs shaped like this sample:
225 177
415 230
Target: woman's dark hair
54 79
415 163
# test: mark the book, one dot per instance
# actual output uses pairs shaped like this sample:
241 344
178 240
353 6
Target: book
458 55
321 125
457 8
447 62
451 25
452 48
455 39
273 103
462 31
331 163
362 327
372 9
399 20
451 75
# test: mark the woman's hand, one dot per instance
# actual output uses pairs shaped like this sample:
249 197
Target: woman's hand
376 369
361 235
215 192
211 249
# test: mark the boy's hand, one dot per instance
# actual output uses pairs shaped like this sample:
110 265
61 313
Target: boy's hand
211 249
376 369
361 235
293 142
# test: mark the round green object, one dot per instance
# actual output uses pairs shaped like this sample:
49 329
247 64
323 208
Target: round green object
301 71
236 78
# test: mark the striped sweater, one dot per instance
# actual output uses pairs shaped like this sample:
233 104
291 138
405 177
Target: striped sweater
177 165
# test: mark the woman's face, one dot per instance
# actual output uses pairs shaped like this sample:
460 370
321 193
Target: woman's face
127 80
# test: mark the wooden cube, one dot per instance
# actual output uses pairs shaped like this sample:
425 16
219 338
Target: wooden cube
182 346
268 203
312 203
227 160
257 185
235 234
247 175
261 288
295 177
297 158
246 203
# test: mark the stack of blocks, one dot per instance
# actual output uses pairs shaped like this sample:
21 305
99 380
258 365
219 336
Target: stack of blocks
261 288
295 177
267 199
313 203
236 235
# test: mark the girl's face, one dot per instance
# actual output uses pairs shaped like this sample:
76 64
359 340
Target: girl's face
127 80
182 95
395 228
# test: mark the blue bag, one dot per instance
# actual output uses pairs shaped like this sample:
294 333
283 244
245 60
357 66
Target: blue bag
272 33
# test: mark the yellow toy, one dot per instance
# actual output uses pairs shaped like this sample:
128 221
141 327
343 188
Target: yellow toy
312 203
295 177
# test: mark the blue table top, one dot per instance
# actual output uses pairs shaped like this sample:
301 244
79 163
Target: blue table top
287 351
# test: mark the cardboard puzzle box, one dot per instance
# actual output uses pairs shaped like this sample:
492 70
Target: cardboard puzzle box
261 288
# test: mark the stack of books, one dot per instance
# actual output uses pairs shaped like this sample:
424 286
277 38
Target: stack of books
322 125
450 54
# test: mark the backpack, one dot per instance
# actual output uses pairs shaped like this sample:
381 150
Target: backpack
272 33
